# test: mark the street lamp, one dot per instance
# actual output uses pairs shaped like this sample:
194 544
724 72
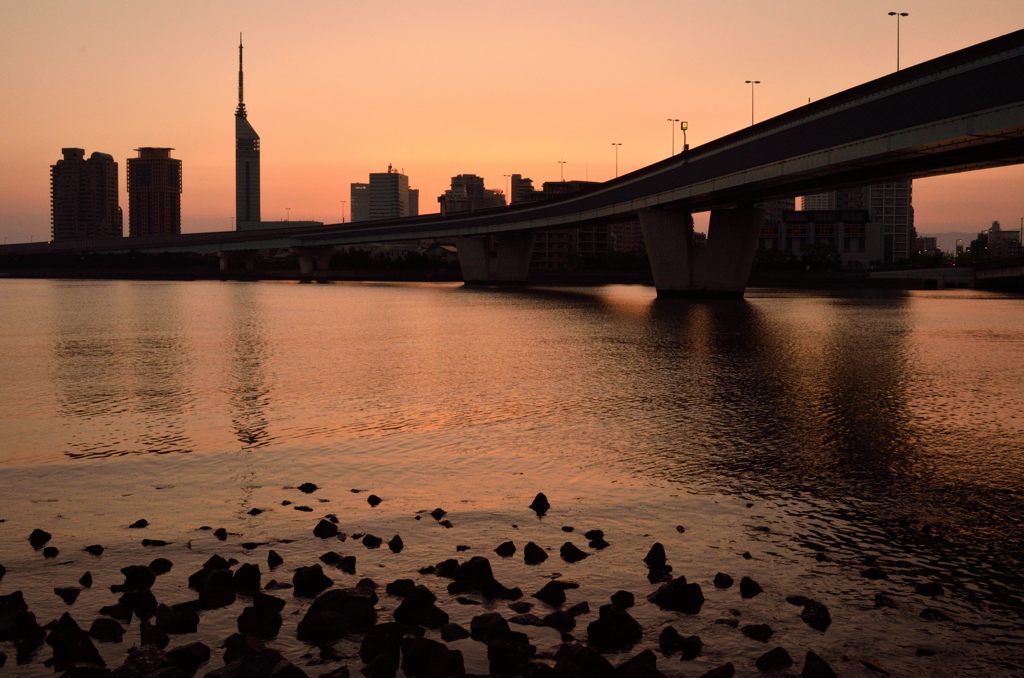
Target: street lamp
343 211
752 83
616 144
288 216
898 15
672 123
561 170
684 126
507 198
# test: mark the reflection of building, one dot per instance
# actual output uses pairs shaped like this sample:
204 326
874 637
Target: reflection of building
247 163
467 194
83 197
889 204
386 196
847 233
154 193
995 243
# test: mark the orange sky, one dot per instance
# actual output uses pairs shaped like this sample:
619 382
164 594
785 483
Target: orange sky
339 89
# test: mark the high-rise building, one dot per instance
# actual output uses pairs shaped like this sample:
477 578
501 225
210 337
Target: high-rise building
154 193
523 190
467 194
359 198
889 204
83 197
386 196
247 162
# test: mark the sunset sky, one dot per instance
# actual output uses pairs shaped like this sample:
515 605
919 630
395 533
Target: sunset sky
340 89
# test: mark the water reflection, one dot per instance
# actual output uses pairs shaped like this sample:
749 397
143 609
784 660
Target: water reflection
249 393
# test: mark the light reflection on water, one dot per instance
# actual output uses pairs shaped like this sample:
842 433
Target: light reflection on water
881 425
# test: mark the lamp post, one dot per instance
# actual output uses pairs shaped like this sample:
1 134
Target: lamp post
507 197
561 170
684 126
616 144
343 211
672 123
288 213
898 15
752 83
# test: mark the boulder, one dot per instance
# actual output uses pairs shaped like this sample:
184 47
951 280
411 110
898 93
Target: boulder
221 534
425 658
86 580
749 588
678 595
396 544
106 630
262 619
571 553
139 524
758 632
217 589
533 554
656 558
475 575
325 529
816 667
401 587
178 619
372 541
553 592
418 608
274 559
373 500
726 670
643 665
310 581
486 627
816 615
69 594
339 612
722 581
189 657
160 566
308 488
623 600
451 632
39 538
51 552
151 635
574 660
71 645
247 578
614 630
506 549
508 655
540 504
94 549
136 578
774 660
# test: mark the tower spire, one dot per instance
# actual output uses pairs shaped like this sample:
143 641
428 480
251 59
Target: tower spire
241 99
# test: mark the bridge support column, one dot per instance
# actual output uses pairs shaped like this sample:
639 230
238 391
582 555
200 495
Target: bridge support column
681 268
503 258
313 259
232 260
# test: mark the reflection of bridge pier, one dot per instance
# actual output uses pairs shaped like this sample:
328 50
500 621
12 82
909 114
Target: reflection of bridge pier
496 259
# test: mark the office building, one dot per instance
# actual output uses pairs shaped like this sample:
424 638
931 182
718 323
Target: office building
848 235
523 190
154 193
247 162
889 204
359 200
83 197
468 194
386 196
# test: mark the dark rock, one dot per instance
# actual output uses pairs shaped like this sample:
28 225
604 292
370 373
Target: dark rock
274 559
86 580
308 488
447 524
51 552
884 600
303 508
874 573
239 646
425 658
347 564
669 640
527 619
221 534
155 542
924 652
141 603
310 581
506 549
217 590
263 618
106 630
452 632
520 606
759 632
247 578
366 583
774 660
486 627
726 670
160 566
384 640
553 592
119 611
401 587
325 529
679 596
475 575
816 615
623 600
722 581
151 635
71 645
599 544
749 588
178 619
571 554
726 621
582 607
680 529
594 534
373 500
462 547
509 654
139 524
94 549
575 660
874 667
446 568
613 630
69 594
396 544
931 614
136 578
255 511
339 612
438 513
274 585
533 554
540 504
372 541
189 657
418 608
931 588
656 558
568 528
643 665
816 667
332 558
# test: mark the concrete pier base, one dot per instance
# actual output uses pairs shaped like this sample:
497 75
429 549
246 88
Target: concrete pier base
234 261
500 259
682 268
313 259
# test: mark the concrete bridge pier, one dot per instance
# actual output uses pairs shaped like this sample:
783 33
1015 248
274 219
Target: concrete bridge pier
499 259
234 260
314 258
682 268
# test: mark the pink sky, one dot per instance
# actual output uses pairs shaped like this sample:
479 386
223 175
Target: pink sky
340 89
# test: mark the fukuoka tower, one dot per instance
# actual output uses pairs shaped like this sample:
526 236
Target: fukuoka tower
247 161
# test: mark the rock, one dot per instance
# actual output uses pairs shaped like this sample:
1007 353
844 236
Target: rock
136 578
580 608
759 632
509 654
520 606
680 529
347 564
106 630
247 578
69 594
462 547
384 640
475 575
623 600
274 559
669 640
155 542
726 670
396 544
372 541
19 625
722 581
51 552
139 524
418 608
452 632
533 554
816 667
774 660
486 627
310 581
308 488
141 603
217 590
614 630
884 600
527 619
816 615
506 549
373 500
221 534
874 573
447 524
332 558
151 635
86 580
71 645
325 529
274 585
303 508
339 612
749 588
929 589
425 658
575 660
263 618
643 665
160 566
401 587
254 511
189 657
94 549
931 614
571 554
553 592
540 504
679 596
438 513
746 555
656 558
924 652
178 619
599 544
446 568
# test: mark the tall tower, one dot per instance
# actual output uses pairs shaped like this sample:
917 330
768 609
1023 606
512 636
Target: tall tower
154 193
84 197
247 162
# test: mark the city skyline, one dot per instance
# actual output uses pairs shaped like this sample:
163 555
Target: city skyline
323 128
